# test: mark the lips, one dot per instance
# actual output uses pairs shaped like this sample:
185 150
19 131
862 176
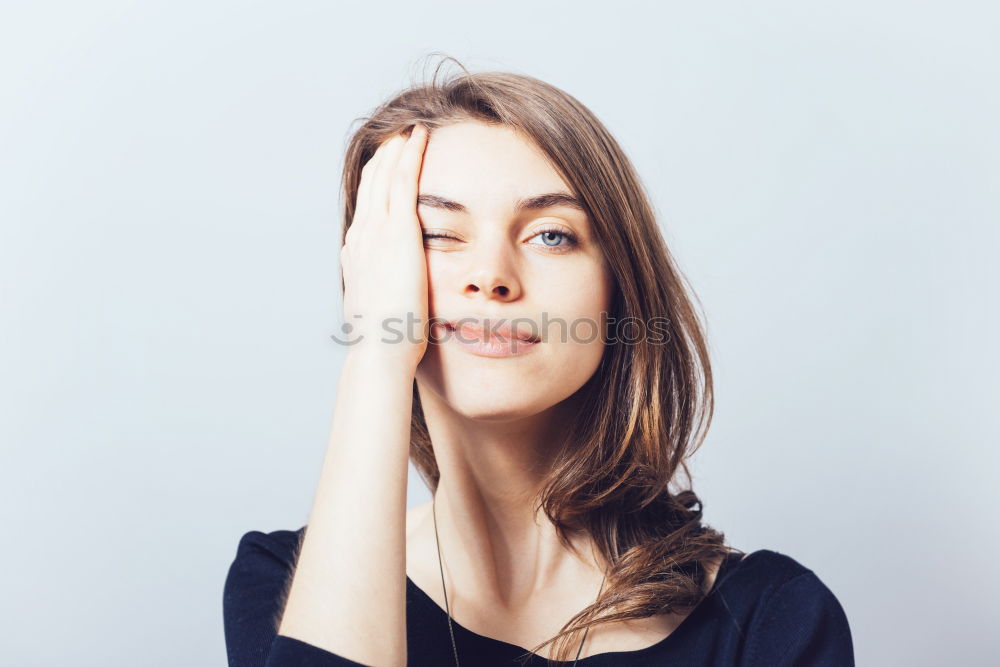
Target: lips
485 330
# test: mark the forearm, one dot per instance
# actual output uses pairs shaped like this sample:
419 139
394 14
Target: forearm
348 593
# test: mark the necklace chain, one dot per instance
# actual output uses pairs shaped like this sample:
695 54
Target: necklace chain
451 631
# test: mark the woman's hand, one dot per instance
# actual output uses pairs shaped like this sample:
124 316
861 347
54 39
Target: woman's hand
348 590
385 271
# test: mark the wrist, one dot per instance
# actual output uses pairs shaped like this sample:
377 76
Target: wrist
387 356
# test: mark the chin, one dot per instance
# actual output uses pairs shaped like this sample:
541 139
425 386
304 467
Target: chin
502 390
498 396
497 413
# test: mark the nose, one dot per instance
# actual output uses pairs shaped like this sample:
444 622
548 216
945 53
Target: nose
493 275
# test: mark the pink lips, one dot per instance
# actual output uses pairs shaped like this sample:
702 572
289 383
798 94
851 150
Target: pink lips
496 340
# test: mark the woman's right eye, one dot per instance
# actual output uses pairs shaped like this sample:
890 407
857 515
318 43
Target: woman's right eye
429 235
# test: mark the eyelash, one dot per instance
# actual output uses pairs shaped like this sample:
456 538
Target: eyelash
572 240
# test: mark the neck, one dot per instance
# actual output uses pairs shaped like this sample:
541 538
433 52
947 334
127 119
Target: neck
494 546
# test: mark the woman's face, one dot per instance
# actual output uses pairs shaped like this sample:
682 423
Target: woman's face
537 268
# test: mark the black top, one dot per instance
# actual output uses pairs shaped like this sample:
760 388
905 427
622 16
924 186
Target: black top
765 610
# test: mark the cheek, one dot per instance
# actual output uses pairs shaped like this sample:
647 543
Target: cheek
581 300
574 324
438 276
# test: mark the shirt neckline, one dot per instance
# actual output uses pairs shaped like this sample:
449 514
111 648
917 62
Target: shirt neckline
731 560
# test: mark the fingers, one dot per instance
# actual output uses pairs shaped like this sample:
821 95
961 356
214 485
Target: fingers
390 174
403 187
390 149
367 199
365 186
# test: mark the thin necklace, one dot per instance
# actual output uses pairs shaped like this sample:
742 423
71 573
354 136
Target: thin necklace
451 631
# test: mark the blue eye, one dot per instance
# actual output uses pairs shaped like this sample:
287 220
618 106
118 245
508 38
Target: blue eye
553 235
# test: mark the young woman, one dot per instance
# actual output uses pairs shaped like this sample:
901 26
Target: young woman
520 331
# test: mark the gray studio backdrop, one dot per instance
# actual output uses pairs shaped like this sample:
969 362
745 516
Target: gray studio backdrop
826 174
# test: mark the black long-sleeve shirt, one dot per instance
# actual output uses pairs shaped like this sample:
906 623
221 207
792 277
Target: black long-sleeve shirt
766 610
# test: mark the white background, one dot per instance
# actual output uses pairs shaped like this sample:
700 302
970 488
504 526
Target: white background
825 173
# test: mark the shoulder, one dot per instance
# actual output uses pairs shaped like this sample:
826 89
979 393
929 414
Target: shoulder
254 591
769 568
261 565
790 615
766 577
278 545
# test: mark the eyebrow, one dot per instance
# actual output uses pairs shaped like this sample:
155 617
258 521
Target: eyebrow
535 203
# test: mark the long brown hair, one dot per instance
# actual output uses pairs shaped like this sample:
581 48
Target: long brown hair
647 407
